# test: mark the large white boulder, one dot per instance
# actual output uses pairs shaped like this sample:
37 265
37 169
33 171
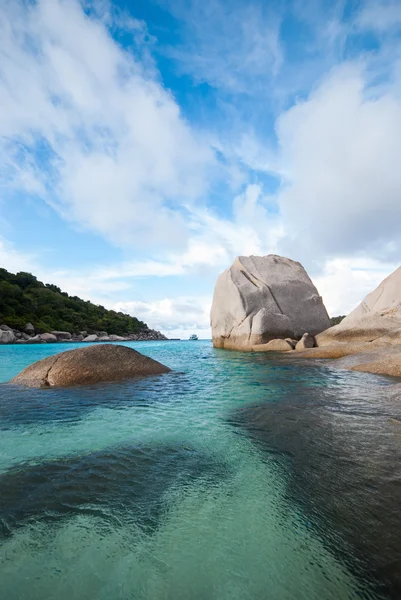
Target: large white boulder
376 319
260 298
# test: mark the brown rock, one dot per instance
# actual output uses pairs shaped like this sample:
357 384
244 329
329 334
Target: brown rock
93 364
273 346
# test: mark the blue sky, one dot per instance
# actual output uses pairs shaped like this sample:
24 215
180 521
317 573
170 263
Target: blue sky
145 144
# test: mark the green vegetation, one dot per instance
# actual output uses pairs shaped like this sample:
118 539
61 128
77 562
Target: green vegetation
24 299
336 320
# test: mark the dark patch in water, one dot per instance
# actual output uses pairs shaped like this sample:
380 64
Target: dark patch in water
341 452
23 406
130 481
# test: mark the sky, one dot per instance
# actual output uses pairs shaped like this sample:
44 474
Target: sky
146 144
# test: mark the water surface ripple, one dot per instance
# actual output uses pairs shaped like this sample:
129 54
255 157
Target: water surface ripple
236 476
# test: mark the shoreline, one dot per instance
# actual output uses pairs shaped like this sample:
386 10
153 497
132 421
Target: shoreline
30 335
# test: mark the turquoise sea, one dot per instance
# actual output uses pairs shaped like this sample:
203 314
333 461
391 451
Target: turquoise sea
236 476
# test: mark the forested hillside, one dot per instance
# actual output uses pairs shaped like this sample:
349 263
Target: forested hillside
24 299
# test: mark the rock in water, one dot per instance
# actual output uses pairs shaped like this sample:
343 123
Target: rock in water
377 318
93 364
260 298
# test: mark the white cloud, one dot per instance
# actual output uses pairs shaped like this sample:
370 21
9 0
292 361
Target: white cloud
380 15
340 150
344 282
175 317
228 45
86 128
13 260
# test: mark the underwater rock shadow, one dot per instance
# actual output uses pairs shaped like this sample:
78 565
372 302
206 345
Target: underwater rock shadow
128 481
25 406
342 458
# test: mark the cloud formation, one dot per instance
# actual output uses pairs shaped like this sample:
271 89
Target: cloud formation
87 128
340 150
290 144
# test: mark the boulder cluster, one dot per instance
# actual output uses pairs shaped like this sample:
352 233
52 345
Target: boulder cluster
269 304
30 336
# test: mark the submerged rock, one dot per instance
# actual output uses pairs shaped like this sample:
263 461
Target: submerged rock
93 364
260 298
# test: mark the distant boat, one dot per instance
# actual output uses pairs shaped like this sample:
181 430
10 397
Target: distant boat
193 337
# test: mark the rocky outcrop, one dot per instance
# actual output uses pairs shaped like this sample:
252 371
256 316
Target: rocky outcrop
306 341
274 346
7 337
93 364
369 338
377 318
11 336
29 329
62 335
36 339
49 338
261 298
91 338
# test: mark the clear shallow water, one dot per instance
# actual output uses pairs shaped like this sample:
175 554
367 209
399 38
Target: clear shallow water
229 478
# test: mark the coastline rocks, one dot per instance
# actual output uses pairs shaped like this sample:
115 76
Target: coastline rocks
306 341
261 298
11 336
99 363
91 338
7 336
49 338
377 318
278 345
29 329
62 335
36 339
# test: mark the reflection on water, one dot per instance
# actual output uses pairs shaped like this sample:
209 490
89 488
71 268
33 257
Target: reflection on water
341 448
236 476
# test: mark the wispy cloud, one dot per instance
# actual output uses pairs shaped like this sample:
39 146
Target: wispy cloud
228 45
85 127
